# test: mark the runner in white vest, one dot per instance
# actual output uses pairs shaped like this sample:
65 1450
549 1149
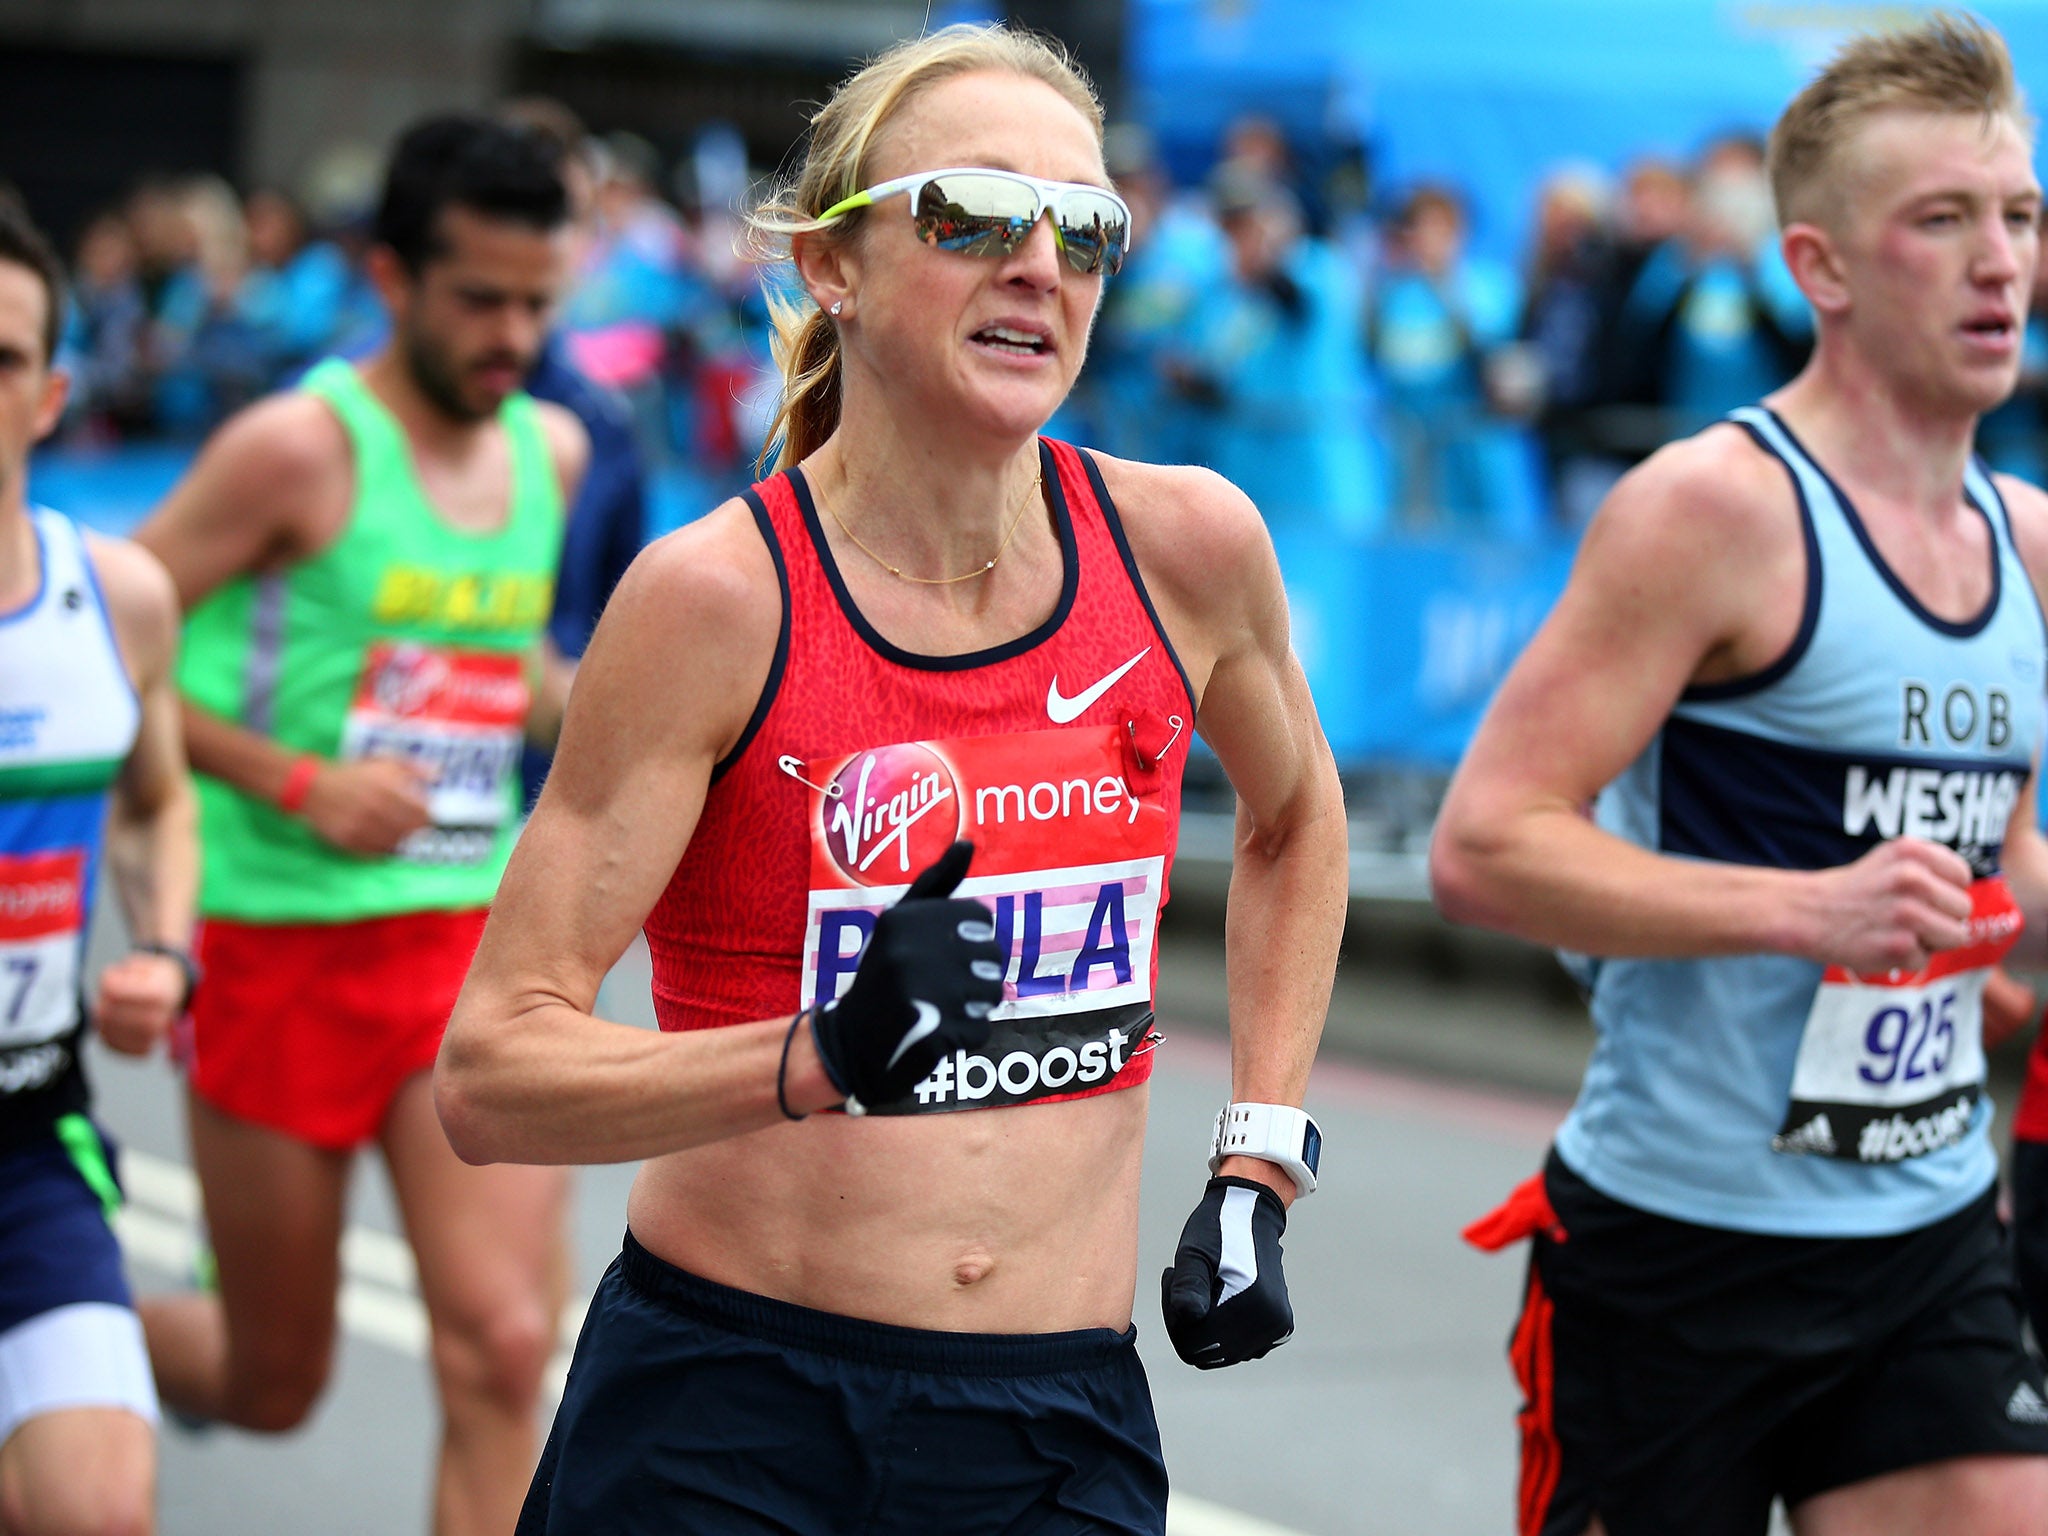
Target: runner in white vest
91 771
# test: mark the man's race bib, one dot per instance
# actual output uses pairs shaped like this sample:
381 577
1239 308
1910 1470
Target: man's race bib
1068 861
460 713
42 913
1892 1066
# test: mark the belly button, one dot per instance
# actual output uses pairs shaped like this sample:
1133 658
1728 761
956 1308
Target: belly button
972 1271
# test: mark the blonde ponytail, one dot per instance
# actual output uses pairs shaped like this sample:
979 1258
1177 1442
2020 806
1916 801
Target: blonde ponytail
806 349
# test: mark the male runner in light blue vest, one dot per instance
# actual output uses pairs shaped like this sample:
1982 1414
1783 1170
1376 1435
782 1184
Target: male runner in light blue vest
1800 664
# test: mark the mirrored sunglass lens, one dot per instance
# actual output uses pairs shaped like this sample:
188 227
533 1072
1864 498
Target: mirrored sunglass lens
976 215
1095 230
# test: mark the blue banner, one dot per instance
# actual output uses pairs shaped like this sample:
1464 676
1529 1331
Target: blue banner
1492 94
1405 640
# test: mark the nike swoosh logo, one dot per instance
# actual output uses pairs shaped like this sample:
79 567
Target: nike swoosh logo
927 1021
1063 709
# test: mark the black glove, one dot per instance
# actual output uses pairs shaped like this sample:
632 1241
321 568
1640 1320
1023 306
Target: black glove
1225 1298
930 974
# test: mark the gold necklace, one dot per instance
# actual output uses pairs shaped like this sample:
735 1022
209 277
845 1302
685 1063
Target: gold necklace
1016 522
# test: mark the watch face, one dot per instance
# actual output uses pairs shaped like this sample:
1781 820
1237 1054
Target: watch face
1311 1146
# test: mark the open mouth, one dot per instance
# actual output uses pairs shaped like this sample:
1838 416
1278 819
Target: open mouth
1002 338
1989 328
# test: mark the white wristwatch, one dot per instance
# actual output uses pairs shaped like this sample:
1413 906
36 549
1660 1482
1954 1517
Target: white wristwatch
1276 1133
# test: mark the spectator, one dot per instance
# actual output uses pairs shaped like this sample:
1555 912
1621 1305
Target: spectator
210 359
1712 319
632 285
1274 351
103 335
1440 316
1569 271
607 523
1178 259
297 287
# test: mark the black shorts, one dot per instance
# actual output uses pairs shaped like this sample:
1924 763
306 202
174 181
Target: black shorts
1678 1378
2030 1231
692 1407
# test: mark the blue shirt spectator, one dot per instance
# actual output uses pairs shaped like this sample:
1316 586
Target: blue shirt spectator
608 523
1178 262
1275 353
1439 314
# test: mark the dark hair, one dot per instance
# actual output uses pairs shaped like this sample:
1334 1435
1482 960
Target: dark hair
478 163
26 246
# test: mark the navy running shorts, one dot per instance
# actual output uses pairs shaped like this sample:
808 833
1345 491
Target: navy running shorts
56 1248
1678 1378
691 1406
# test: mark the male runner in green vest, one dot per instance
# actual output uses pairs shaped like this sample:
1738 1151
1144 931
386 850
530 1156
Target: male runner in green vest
367 564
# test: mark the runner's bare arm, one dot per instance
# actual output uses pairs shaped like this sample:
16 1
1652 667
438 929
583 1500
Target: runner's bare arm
2024 858
526 1074
271 487
1692 571
152 847
1210 567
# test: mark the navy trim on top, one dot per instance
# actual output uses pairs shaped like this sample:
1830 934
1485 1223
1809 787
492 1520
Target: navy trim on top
2011 543
773 684
1962 631
42 575
1809 617
1070 582
1114 520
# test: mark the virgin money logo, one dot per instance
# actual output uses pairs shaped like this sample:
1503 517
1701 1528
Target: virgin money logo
407 679
890 812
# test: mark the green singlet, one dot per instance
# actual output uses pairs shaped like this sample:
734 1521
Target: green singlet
405 637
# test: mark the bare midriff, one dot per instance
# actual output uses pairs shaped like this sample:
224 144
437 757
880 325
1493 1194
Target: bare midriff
1016 1220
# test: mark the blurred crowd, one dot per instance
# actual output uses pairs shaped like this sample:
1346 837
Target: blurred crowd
1344 355
190 300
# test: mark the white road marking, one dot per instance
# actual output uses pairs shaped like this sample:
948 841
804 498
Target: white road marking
380 1303
1197 1517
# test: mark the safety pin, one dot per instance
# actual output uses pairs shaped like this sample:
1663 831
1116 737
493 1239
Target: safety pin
1131 731
794 767
1152 1041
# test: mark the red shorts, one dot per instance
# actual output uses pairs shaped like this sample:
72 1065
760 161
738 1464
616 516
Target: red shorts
2030 1119
311 1028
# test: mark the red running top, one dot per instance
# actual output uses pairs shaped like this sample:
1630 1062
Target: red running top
1059 754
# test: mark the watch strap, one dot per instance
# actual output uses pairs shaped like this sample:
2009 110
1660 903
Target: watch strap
185 963
1275 1133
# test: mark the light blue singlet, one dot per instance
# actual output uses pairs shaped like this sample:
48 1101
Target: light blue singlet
1757 1092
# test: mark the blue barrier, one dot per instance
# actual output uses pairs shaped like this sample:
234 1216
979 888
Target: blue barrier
1404 639
111 489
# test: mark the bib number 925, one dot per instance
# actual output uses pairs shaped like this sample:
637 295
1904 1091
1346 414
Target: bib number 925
1906 1044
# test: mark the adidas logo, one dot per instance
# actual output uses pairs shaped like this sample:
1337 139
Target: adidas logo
2026 1406
1816 1136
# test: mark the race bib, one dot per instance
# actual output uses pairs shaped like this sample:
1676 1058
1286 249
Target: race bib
460 713
1068 861
1892 1066
42 913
